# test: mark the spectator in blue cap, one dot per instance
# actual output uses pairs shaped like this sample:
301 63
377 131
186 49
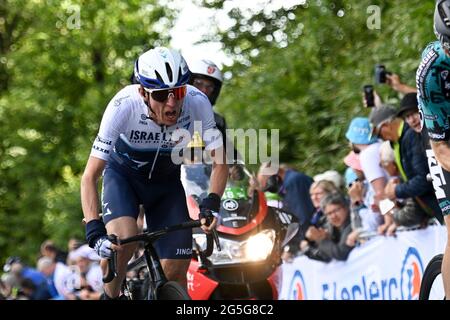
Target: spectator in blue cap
350 176
359 131
368 146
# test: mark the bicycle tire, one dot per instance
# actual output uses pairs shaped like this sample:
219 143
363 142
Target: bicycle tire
172 290
432 271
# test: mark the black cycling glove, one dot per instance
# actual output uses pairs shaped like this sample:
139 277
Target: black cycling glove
209 205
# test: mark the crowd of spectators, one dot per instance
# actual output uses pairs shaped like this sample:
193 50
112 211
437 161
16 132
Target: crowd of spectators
58 275
386 185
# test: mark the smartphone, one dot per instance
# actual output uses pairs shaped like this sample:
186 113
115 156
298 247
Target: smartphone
368 95
380 74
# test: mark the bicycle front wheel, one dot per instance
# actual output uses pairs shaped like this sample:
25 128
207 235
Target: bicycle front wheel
172 290
432 287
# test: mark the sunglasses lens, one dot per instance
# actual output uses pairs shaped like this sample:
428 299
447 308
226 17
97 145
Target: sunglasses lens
180 92
160 95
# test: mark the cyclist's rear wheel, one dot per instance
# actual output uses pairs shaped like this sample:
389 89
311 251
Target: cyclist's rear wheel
172 290
432 287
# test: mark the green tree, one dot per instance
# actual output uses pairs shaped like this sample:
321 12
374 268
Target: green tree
302 69
64 61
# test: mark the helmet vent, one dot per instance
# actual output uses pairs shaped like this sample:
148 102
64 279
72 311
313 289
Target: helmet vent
169 72
159 76
447 21
444 15
179 74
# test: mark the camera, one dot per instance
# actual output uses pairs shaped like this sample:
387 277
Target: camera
368 95
380 74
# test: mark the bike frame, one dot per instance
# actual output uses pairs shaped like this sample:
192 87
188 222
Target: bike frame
154 267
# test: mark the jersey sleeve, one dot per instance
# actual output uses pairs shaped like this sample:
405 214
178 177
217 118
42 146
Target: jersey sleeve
433 92
113 123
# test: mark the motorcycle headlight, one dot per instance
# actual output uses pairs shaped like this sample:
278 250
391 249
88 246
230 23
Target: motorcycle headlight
256 248
260 245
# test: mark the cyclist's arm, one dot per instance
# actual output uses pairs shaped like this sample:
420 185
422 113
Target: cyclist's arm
219 174
394 82
442 152
89 195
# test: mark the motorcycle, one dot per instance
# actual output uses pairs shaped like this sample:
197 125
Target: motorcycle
251 236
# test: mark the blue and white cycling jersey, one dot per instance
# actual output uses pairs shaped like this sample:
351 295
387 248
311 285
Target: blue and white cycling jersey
140 168
128 138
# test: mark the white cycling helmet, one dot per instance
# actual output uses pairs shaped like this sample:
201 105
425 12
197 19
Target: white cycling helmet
161 68
207 69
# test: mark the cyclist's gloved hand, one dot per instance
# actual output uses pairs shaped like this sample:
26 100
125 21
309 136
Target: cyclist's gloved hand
97 238
103 247
209 206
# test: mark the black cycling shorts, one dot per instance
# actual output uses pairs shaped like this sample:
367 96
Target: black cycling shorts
164 202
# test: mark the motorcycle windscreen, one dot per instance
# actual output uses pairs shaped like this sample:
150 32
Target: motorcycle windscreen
236 213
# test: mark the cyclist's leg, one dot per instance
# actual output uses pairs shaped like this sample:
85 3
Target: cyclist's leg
175 248
441 184
120 210
176 270
122 227
446 259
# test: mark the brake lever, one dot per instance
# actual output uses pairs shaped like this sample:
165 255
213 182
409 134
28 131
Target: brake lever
112 262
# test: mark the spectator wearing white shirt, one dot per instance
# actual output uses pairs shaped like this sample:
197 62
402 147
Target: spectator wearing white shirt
359 135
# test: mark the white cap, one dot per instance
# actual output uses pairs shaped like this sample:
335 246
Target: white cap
84 252
332 176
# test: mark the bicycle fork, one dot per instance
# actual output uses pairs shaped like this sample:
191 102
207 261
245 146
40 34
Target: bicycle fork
156 273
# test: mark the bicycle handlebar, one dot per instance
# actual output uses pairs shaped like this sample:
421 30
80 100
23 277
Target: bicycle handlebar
112 263
149 237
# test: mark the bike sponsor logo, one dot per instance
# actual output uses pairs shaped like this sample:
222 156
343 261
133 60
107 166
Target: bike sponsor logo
230 205
143 119
297 288
211 69
437 175
118 101
445 206
197 93
422 71
183 251
431 117
411 275
102 150
436 136
104 141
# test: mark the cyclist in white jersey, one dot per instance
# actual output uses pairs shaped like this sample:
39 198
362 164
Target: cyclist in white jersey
138 146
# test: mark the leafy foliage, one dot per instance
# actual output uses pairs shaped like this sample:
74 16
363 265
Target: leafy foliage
299 69
64 60
303 72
